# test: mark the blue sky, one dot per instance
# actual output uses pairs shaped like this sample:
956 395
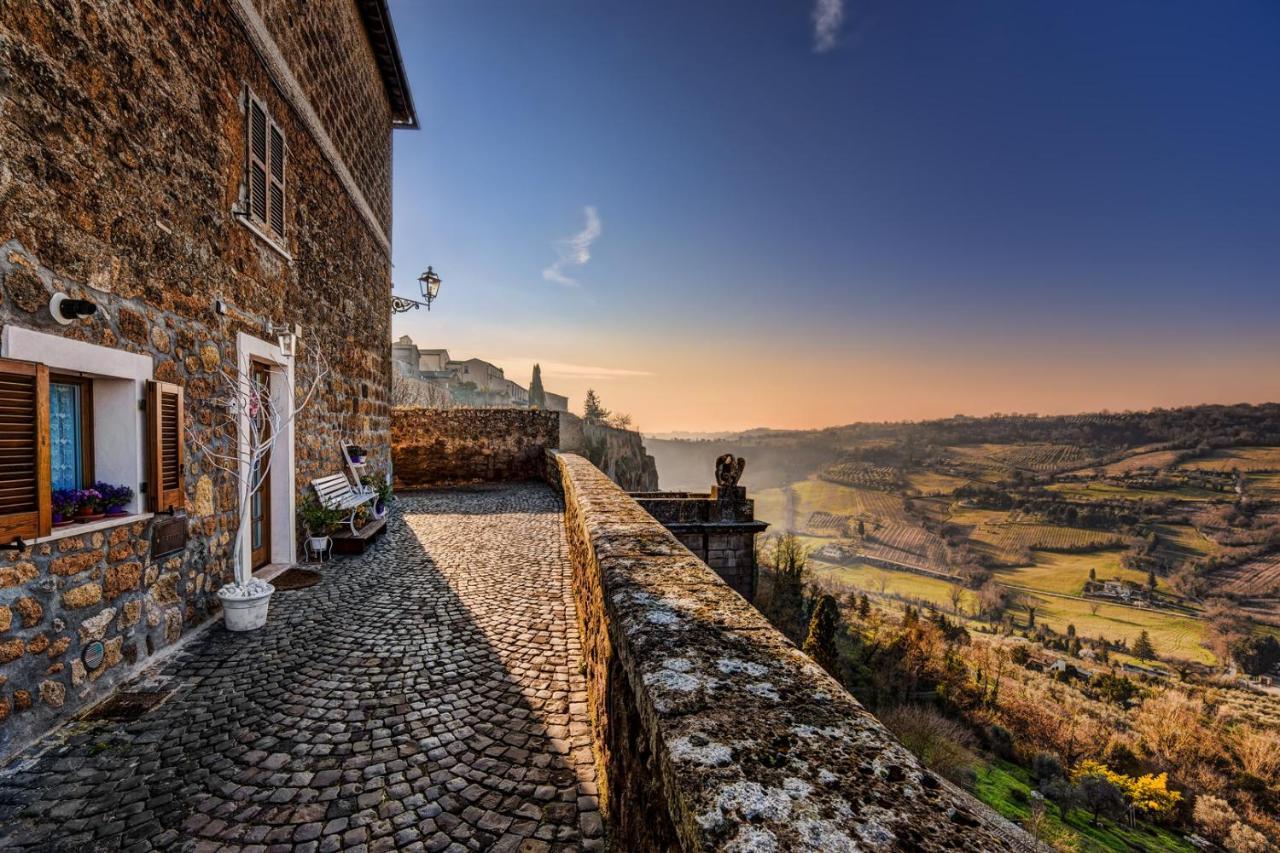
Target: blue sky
914 210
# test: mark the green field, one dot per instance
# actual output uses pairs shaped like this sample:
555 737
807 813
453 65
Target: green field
931 483
1103 491
1007 789
869 578
1066 573
1174 636
1238 458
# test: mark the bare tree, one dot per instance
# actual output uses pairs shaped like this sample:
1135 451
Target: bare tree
407 392
246 402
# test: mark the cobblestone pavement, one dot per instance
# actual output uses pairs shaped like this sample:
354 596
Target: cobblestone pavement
426 696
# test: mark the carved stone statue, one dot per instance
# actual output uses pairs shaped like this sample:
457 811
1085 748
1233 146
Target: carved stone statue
729 470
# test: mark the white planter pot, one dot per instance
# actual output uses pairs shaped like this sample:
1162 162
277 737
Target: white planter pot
319 544
246 614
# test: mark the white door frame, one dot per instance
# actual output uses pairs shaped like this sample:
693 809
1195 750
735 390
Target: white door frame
283 471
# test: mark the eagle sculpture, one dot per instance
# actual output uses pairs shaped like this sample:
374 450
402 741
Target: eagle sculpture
729 470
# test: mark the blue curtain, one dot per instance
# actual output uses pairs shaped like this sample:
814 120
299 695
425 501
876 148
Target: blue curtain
65 441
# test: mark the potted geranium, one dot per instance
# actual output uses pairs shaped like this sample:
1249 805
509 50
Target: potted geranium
89 505
64 503
380 487
320 522
114 498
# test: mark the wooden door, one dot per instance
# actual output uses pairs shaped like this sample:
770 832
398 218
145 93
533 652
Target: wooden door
260 502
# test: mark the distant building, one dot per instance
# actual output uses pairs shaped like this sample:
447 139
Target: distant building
469 382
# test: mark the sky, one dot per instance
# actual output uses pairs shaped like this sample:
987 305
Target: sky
800 213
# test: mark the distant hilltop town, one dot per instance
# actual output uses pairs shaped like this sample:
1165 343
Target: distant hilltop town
429 377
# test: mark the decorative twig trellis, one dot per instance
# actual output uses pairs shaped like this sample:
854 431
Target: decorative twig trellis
245 402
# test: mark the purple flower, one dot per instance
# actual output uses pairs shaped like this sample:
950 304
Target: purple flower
112 497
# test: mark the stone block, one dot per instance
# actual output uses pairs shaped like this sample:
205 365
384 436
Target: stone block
74 564
122 578
85 595
53 693
17 574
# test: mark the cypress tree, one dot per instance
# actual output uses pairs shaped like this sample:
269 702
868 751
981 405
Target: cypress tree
821 642
537 395
1142 647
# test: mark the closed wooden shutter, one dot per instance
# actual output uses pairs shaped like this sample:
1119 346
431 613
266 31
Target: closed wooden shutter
165 452
257 145
275 195
25 509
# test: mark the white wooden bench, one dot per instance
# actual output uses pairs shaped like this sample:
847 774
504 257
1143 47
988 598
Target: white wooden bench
336 492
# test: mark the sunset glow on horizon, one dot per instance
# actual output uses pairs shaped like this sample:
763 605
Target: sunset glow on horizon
911 211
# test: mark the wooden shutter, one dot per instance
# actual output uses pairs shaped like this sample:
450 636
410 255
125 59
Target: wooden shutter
275 189
25 509
165 440
257 149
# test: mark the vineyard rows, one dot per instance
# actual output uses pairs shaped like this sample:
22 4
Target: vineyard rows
1043 458
862 475
1256 577
905 543
1013 540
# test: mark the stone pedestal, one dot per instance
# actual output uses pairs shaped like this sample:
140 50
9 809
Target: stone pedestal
718 527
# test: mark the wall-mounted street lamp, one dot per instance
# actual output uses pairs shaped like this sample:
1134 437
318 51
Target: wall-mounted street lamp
429 283
286 338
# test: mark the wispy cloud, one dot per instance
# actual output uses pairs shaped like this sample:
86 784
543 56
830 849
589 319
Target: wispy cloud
574 251
827 17
567 370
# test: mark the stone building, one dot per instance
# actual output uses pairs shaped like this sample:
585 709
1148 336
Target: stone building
201 181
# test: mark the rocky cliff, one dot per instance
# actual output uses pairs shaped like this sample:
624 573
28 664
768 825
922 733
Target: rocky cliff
619 453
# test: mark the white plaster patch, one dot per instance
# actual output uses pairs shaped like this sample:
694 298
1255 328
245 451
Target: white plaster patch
764 690
796 788
807 731
671 680
874 832
697 749
662 617
751 839
678 664
826 836
753 801
730 666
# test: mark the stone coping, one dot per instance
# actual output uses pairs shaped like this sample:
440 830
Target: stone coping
697 702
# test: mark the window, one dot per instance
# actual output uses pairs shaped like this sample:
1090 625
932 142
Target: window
70 432
47 441
265 156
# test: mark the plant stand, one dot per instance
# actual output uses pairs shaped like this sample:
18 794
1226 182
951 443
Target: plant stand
318 553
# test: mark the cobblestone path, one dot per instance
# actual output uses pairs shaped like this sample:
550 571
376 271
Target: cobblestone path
424 697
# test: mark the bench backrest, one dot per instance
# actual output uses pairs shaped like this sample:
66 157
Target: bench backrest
332 489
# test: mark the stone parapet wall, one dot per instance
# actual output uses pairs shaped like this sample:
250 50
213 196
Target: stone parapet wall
435 447
713 731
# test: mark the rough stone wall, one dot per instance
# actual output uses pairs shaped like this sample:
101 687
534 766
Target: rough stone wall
121 158
326 45
619 453
713 732
434 447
